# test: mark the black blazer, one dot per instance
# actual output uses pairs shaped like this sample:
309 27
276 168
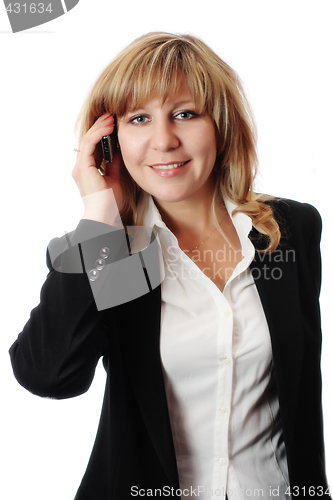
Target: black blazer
57 352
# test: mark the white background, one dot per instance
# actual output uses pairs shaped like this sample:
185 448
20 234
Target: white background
283 53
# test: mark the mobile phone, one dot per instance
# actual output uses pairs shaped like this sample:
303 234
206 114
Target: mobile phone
109 144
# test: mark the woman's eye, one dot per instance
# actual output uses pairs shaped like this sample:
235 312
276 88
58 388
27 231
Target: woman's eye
185 115
138 119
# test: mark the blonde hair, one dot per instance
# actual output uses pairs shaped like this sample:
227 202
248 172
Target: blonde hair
157 64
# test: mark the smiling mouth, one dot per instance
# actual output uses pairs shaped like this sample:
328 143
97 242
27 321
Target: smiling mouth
169 166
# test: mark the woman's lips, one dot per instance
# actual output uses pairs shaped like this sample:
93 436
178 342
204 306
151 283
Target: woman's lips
169 169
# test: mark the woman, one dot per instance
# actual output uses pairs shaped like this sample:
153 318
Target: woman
214 382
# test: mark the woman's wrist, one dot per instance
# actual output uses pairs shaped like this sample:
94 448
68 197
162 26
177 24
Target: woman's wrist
102 207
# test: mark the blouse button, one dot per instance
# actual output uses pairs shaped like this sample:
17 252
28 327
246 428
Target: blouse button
227 361
223 461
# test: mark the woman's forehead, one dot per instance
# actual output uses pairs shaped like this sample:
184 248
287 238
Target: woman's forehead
176 95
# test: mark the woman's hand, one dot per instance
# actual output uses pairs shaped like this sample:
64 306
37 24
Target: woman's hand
99 192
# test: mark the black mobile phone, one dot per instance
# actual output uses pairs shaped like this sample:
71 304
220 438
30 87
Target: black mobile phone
109 144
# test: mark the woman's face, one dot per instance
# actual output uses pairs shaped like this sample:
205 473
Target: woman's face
170 149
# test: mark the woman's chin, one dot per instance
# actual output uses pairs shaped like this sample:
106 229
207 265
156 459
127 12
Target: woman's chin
166 198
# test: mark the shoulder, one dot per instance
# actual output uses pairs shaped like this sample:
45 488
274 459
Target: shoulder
297 220
294 209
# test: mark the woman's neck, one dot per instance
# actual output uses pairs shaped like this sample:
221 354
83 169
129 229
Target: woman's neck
190 219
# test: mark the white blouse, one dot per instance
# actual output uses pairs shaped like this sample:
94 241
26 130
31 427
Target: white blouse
221 392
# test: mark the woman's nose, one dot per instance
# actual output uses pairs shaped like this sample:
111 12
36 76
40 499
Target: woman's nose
164 137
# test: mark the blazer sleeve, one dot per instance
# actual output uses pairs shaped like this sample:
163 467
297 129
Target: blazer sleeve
56 353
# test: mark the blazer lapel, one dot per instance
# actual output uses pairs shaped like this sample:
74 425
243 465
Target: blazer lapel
276 278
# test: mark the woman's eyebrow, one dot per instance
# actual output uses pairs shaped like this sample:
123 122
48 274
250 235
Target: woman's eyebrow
186 101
